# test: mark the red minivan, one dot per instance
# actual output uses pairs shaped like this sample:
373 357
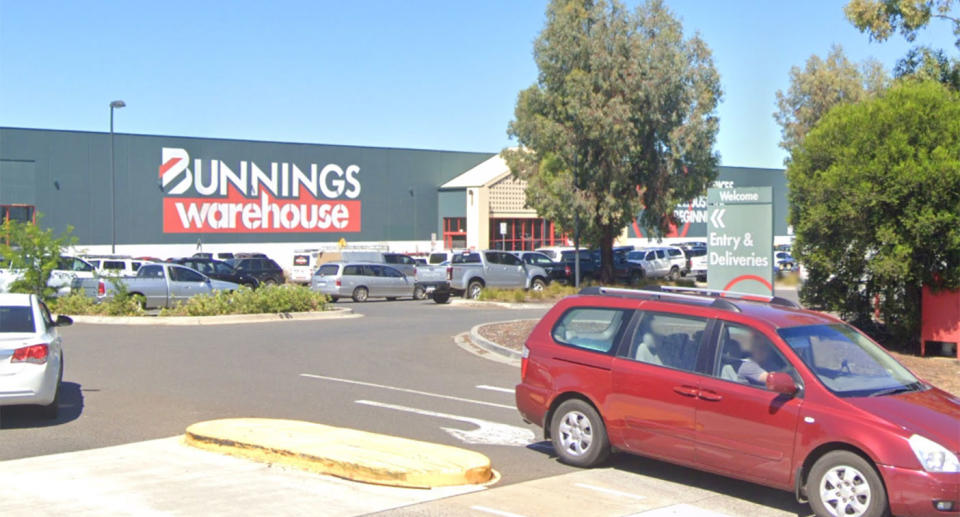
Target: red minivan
748 387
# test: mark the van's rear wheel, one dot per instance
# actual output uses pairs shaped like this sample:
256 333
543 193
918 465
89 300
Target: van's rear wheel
842 483
578 434
360 294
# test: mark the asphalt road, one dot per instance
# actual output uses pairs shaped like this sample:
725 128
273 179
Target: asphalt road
126 384
396 370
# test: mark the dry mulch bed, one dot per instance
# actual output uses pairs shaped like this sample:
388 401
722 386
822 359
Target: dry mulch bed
943 372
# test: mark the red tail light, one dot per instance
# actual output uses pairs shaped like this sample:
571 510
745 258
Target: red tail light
414 271
36 354
568 271
450 273
101 289
337 283
524 355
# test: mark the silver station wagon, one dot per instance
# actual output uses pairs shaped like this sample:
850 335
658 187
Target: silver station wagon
362 281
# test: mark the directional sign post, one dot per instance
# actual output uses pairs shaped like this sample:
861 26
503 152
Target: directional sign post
740 240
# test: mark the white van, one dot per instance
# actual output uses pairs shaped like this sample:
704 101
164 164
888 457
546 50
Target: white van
304 263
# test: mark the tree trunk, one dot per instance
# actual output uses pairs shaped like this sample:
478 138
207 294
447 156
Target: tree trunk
606 255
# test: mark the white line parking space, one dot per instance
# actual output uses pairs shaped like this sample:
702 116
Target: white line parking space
610 491
165 477
495 388
408 390
493 511
486 433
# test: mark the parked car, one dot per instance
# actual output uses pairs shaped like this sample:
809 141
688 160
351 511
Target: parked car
697 263
264 269
470 272
589 264
630 267
61 278
362 281
556 271
783 261
116 265
654 262
668 262
554 252
304 264
437 257
219 270
31 354
222 255
751 388
157 285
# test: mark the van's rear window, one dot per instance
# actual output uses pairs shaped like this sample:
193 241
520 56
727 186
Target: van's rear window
328 269
301 260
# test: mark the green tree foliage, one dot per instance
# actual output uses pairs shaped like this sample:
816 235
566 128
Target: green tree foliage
35 252
875 201
925 63
819 86
622 118
880 18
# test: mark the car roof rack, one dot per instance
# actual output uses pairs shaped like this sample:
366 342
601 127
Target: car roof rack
721 299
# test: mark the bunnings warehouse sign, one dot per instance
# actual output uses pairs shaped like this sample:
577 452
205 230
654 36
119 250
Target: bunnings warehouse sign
740 240
213 196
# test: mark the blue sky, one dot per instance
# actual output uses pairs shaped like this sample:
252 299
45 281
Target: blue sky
421 74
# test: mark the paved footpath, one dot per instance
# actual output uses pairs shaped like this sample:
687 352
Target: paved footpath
597 492
165 477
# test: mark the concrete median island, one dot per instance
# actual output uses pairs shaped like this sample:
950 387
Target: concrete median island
346 453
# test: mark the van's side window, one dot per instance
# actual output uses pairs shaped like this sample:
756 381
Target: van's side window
670 340
591 328
352 271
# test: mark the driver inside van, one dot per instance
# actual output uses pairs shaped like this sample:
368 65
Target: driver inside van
760 360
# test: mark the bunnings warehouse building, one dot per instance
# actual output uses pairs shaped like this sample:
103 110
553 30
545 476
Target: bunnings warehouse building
172 196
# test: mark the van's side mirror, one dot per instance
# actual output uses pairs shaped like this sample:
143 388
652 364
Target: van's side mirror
63 321
781 382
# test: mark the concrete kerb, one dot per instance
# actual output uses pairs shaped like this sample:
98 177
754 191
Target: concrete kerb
346 453
492 347
228 319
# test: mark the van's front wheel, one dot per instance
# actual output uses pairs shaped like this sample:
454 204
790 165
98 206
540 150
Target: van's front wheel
578 434
842 483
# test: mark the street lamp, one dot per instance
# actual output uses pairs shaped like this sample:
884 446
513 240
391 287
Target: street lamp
113 180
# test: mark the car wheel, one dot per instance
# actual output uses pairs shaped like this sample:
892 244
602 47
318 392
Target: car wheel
441 298
269 281
578 434
52 410
473 290
586 279
334 299
360 294
842 483
636 278
674 272
140 300
538 285
419 293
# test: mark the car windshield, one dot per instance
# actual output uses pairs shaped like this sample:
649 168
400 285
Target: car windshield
847 362
16 319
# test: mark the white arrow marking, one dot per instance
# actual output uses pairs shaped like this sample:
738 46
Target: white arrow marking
407 390
487 432
716 217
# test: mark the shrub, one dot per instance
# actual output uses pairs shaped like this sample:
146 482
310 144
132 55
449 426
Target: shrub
268 299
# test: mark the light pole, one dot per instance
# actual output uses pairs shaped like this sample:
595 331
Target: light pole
113 180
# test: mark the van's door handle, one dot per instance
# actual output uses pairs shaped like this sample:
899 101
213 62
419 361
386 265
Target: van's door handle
686 391
712 396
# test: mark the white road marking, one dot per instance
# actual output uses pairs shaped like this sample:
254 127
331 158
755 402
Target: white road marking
407 390
487 432
494 388
494 511
610 491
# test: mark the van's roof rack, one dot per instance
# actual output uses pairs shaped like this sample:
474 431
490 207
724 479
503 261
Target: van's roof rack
721 299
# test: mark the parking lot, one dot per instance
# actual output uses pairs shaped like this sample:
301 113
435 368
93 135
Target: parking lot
396 371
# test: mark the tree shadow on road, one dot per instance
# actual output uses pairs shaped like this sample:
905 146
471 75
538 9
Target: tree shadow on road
750 492
24 417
